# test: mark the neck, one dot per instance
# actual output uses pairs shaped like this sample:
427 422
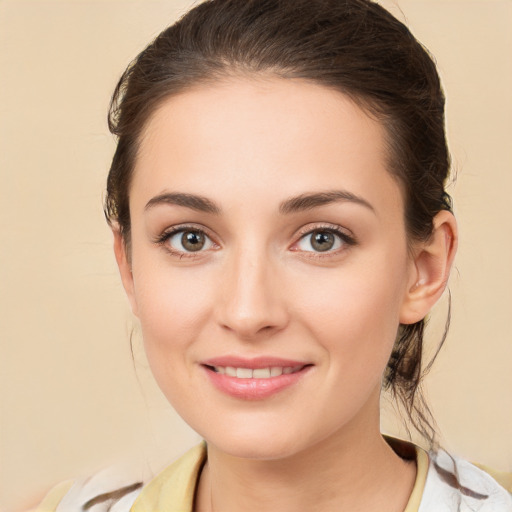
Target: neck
354 469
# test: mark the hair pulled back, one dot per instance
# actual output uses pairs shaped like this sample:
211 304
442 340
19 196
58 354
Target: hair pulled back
352 46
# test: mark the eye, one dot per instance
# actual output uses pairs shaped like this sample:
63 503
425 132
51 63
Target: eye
324 240
186 240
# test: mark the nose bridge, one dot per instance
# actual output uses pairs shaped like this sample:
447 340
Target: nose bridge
251 298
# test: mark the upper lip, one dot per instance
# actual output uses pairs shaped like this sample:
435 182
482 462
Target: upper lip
253 362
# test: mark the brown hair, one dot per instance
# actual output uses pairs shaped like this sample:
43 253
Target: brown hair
353 46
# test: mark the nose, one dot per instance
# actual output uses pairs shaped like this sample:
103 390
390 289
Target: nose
251 300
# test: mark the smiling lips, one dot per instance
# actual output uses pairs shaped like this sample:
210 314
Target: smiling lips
254 379
256 373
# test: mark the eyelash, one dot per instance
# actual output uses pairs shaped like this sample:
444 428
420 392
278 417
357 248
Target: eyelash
168 234
346 240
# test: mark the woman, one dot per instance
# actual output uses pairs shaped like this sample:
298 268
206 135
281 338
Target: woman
282 230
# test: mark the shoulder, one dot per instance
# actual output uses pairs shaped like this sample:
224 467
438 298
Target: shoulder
455 484
114 490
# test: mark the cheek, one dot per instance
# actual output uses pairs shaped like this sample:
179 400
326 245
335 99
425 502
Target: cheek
355 309
354 316
172 308
172 312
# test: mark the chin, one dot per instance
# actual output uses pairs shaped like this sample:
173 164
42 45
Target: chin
261 449
256 441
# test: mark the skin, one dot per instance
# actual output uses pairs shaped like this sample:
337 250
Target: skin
259 287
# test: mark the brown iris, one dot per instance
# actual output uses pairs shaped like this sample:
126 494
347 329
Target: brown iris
193 240
322 240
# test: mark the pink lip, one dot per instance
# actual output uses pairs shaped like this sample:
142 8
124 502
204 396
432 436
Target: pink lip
253 389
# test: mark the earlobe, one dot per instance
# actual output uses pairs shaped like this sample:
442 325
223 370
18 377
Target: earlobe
125 268
430 269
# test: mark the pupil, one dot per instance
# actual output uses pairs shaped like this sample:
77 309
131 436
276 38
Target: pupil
192 240
322 241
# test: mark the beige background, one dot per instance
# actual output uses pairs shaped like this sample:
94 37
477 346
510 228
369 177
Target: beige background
71 400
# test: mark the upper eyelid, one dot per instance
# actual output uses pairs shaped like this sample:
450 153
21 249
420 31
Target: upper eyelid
169 232
172 230
345 234
308 229
327 226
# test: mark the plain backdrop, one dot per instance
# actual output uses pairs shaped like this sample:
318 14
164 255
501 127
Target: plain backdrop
72 400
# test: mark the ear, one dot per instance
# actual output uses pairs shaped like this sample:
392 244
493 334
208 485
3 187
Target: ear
125 267
430 269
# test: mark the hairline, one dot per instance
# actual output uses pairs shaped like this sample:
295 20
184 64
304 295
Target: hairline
232 71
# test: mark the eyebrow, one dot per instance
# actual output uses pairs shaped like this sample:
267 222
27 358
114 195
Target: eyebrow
192 201
299 203
314 200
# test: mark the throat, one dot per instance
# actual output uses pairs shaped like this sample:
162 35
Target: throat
265 486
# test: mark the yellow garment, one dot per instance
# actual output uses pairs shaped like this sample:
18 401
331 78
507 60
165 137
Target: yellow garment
173 489
422 463
53 498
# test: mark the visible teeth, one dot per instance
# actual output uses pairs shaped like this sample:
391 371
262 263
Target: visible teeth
230 371
275 371
244 373
256 373
261 373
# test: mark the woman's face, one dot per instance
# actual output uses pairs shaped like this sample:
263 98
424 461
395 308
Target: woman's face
269 262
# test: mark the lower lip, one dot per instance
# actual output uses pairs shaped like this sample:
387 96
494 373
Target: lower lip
254 389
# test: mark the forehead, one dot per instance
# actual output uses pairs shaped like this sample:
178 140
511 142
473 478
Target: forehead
276 137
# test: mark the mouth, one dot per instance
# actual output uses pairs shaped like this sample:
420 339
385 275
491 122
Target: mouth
254 379
255 373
